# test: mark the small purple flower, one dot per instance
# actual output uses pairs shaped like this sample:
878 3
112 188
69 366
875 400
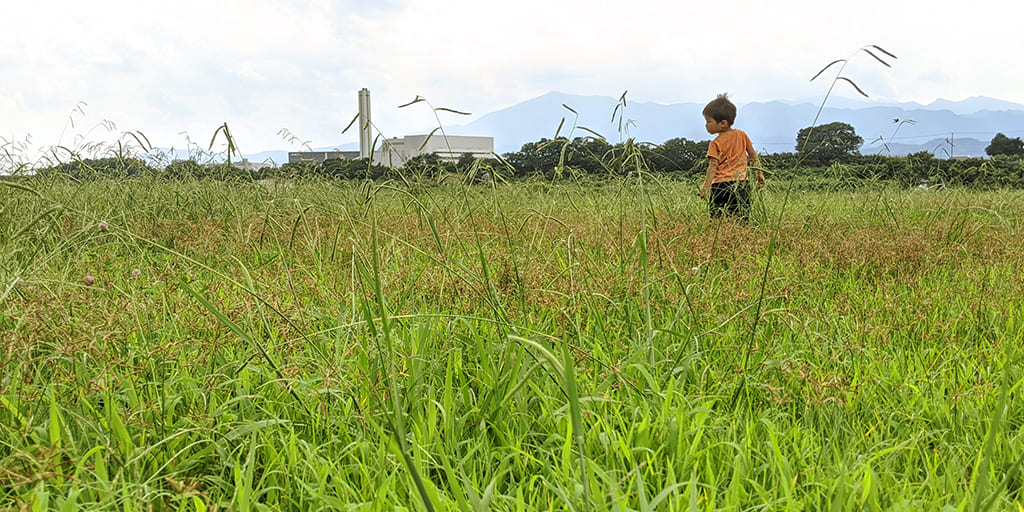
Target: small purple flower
89 279
136 272
103 226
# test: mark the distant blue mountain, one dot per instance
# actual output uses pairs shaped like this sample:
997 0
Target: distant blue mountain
531 120
889 128
972 105
941 148
902 127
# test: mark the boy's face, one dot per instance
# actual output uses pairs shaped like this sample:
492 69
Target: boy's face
714 127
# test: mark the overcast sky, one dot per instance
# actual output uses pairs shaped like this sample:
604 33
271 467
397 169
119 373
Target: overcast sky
175 71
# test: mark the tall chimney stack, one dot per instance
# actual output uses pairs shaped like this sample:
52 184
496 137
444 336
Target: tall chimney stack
365 139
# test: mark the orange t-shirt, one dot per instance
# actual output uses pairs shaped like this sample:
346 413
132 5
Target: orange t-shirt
730 150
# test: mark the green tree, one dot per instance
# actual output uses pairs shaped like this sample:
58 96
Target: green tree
540 157
832 142
590 154
428 166
585 155
679 155
95 168
1003 145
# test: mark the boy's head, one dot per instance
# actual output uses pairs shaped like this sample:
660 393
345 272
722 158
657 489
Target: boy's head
721 109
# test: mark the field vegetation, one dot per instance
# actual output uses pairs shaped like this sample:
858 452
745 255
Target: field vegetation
310 344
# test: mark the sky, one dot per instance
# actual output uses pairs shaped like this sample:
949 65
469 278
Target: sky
284 74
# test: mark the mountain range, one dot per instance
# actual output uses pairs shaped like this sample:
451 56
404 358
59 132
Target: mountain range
944 128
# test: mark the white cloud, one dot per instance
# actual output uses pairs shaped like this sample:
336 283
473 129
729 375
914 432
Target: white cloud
263 65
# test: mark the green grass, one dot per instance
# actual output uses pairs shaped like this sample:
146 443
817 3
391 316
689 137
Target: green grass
532 346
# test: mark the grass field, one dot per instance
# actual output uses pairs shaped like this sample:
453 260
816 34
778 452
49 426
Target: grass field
531 346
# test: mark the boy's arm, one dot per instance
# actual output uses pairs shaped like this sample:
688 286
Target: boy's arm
755 162
706 188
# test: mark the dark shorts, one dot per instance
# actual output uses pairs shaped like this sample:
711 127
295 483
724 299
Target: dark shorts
730 198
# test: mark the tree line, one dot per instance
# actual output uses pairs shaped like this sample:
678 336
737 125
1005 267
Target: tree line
825 155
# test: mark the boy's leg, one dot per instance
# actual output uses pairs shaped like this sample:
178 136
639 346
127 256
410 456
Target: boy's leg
740 206
727 199
718 199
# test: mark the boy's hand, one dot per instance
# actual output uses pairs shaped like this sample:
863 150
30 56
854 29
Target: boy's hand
703 193
760 180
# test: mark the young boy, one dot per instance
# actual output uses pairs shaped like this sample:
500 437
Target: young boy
726 187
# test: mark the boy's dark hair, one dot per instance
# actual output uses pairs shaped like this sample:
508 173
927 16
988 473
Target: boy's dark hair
721 109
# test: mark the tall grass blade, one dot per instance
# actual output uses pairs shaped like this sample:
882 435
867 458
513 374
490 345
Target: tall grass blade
577 418
879 48
415 100
830 64
141 139
453 111
884 63
235 328
558 130
847 80
350 123
545 353
981 469
396 423
428 137
21 187
592 132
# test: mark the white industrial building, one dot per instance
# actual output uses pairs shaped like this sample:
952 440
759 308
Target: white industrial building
394 152
297 157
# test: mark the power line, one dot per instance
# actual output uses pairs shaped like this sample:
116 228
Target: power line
956 133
